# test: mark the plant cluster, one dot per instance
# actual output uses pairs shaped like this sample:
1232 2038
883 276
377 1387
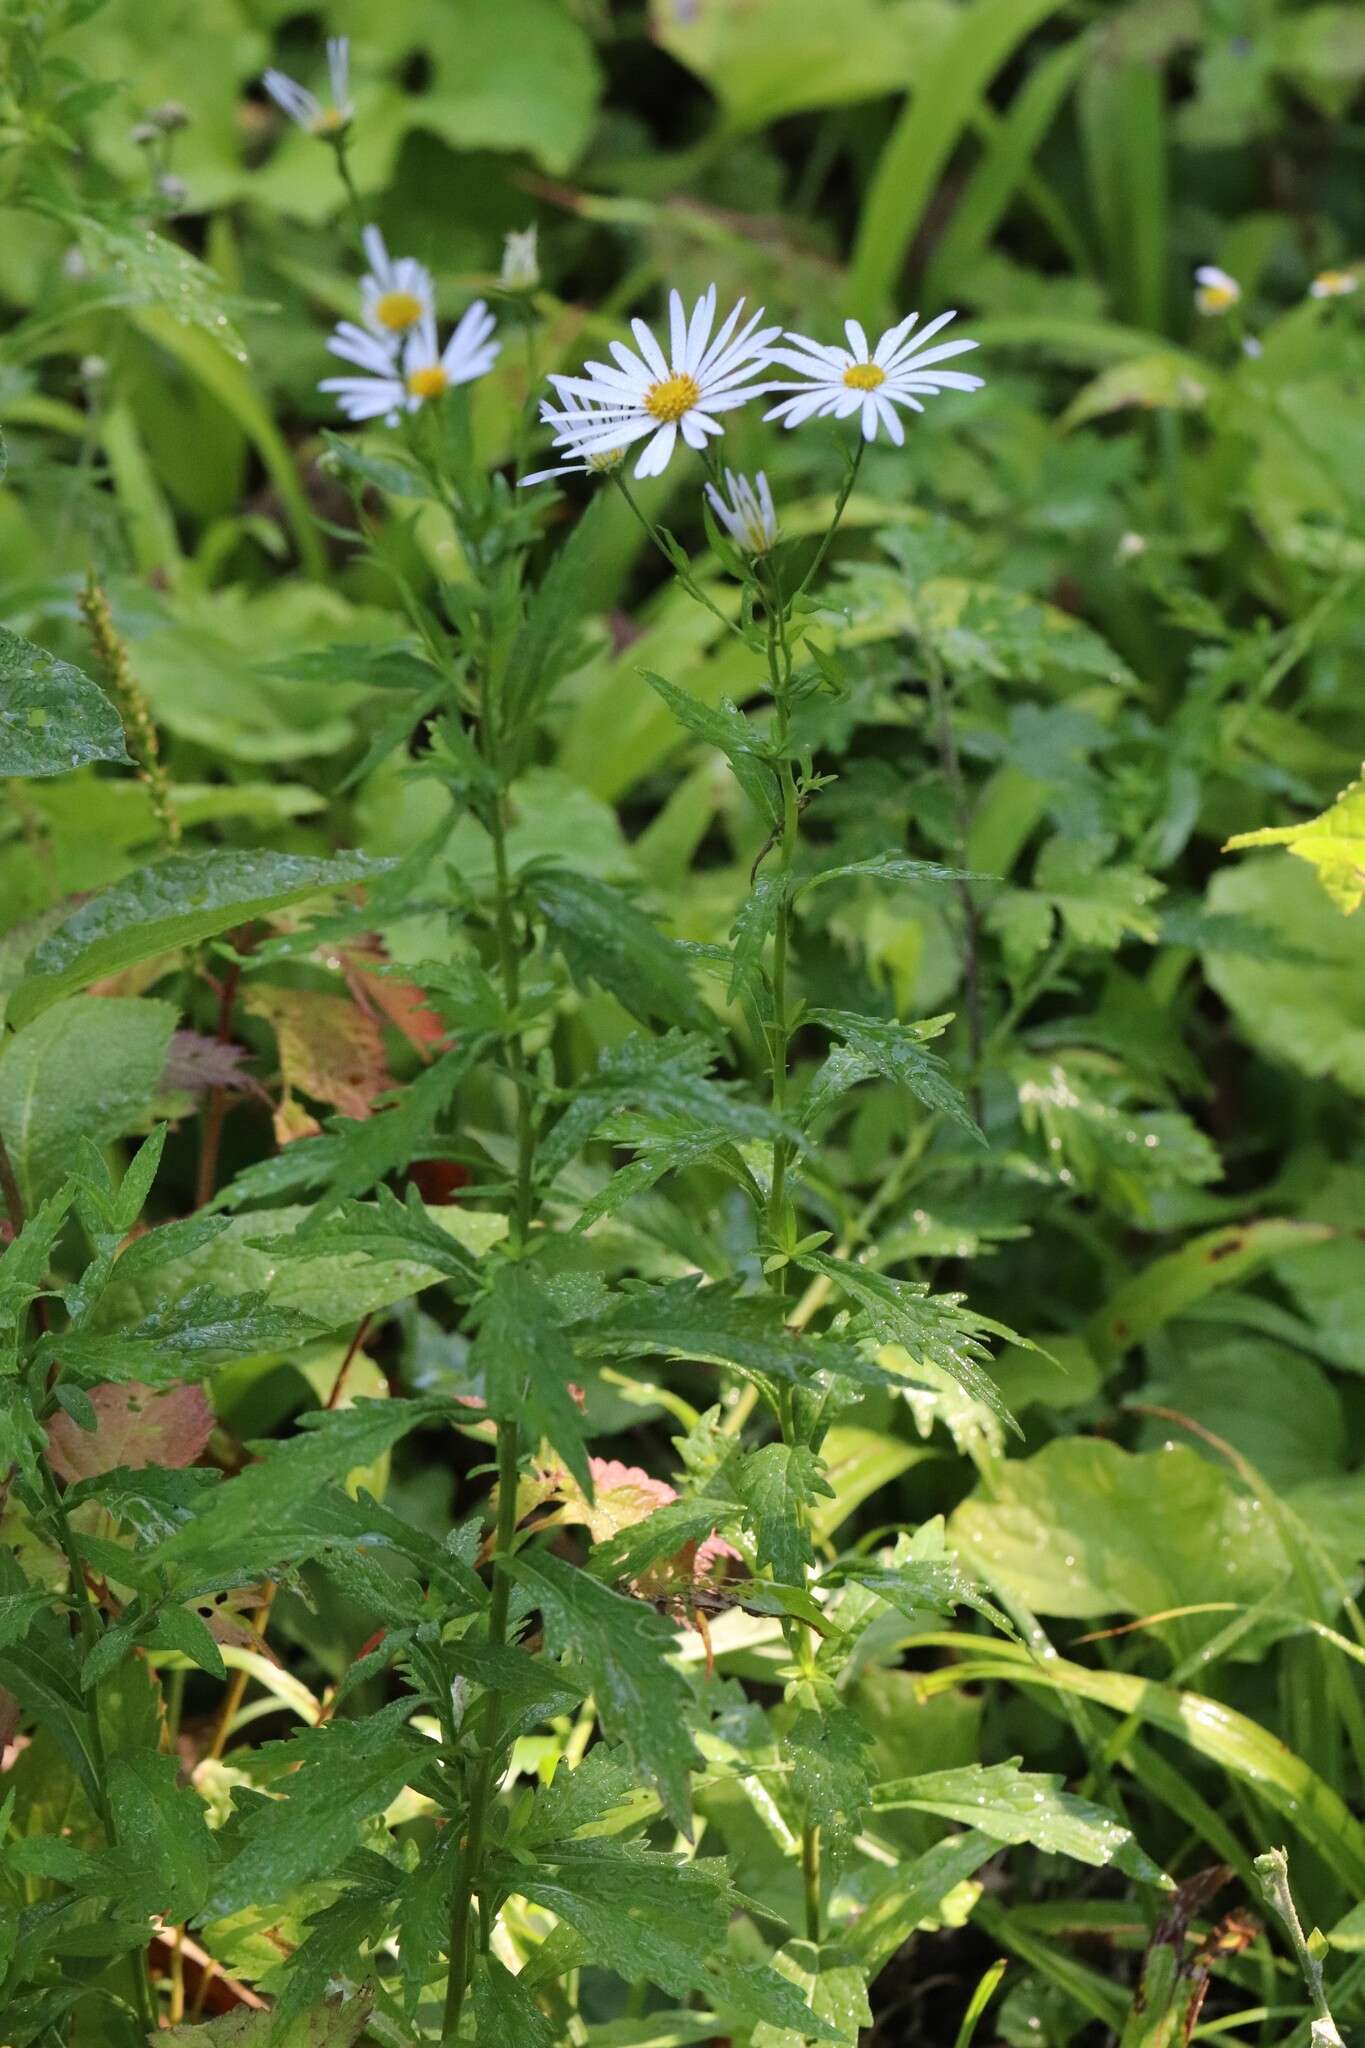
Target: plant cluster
651 1127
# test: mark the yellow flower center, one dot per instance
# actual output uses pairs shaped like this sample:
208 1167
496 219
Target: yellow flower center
1216 298
607 459
330 122
864 376
1334 284
427 383
398 310
673 397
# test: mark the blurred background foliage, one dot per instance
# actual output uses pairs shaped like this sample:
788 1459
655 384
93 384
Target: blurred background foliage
1134 564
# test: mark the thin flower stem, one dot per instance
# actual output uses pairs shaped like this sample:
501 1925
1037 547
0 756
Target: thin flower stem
688 582
340 147
845 493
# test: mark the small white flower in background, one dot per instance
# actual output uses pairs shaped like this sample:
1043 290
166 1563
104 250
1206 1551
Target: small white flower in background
395 292
575 423
520 261
746 512
660 395
1334 284
395 383
900 370
1252 347
1130 546
305 107
1215 292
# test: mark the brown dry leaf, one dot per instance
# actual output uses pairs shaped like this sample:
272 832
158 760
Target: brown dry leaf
135 1426
330 1048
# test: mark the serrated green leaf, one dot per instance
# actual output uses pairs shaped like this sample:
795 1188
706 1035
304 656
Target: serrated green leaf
333 1779
776 1485
936 1327
163 1832
1015 1805
605 938
681 1319
504 2011
622 1645
526 1358
898 1053
177 902
52 716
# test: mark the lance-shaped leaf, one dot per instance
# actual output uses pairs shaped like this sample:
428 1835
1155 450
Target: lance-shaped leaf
504 2010
177 902
668 1077
202 1329
52 716
831 1779
1015 1805
623 1646
526 1357
898 1052
605 938
726 728
933 1326
163 1832
888 867
333 1779
272 1497
682 1319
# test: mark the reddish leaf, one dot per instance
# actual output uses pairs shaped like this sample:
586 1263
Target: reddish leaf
622 1496
135 1426
402 1002
195 1064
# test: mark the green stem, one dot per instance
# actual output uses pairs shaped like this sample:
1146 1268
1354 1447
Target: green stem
840 502
91 1630
339 150
481 1790
779 1045
810 1880
468 1884
688 582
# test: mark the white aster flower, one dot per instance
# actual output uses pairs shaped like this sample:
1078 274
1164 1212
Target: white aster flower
394 383
520 260
1215 291
396 292
870 381
660 395
574 424
1334 284
305 107
747 512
